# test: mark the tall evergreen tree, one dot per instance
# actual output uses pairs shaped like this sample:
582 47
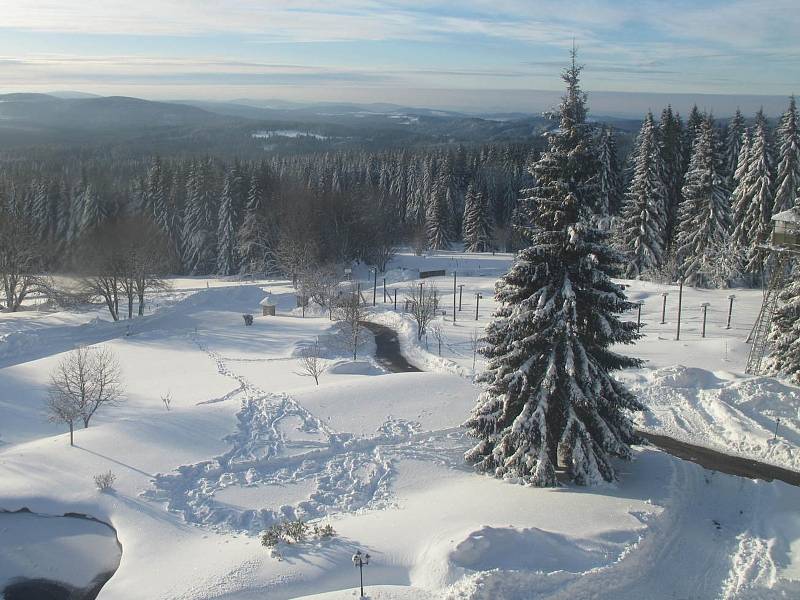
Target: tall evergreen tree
551 402
671 135
693 124
609 181
785 334
199 222
228 219
704 219
253 236
754 204
733 145
477 226
437 216
643 222
787 189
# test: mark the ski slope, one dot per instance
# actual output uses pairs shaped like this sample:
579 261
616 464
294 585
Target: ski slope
247 442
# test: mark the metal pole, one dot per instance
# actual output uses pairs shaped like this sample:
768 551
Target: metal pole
664 308
375 287
730 311
395 298
680 301
477 302
705 312
639 317
361 573
777 422
454 296
384 290
460 293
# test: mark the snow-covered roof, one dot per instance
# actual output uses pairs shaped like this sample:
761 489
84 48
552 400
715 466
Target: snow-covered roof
788 216
267 301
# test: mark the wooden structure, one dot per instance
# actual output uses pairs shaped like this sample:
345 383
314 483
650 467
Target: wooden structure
267 307
784 246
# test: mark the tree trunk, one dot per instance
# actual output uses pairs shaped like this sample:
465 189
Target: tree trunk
141 304
71 434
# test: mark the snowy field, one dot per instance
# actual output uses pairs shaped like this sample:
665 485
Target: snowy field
248 442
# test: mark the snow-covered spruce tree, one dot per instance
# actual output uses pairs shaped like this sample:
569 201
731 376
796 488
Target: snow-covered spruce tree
704 220
693 124
199 222
670 131
477 221
754 206
787 180
643 221
551 402
733 146
437 222
253 236
739 240
94 210
609 184
228 220
785 334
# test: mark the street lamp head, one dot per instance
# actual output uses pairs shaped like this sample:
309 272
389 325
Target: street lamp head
665 294
705 304
366 559
732 297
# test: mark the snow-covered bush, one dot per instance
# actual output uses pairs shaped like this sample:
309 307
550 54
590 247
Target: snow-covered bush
248 319
294 532
105 481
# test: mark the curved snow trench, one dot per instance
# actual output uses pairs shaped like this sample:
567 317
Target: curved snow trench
280 444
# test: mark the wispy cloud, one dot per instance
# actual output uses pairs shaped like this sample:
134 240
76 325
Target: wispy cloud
730 46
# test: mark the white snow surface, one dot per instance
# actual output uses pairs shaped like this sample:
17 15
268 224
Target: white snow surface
247 442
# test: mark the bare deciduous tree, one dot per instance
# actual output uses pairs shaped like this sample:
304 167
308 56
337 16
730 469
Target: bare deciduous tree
84 380
311 364
438 335
351 313
20 260
475 345
320 283
422 303
127 258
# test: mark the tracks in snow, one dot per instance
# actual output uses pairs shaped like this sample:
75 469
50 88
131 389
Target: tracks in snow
279 443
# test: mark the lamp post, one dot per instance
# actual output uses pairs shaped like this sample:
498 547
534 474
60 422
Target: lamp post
477 303
732 297
375 286
664 308
460 293
680 302
639 316
454 296
704 306
360 561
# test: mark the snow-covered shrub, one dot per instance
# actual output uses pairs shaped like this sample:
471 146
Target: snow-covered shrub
296 531
105 481
248 319
325 532
272 536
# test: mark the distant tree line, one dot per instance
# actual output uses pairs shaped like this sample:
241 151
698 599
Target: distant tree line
218 217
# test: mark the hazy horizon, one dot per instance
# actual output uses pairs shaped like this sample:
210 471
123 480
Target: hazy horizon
474 55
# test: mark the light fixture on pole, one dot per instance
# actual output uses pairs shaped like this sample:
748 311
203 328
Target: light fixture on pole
360 561
732 297
704 306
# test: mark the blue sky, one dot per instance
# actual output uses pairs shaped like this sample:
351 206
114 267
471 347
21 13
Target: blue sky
467 54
